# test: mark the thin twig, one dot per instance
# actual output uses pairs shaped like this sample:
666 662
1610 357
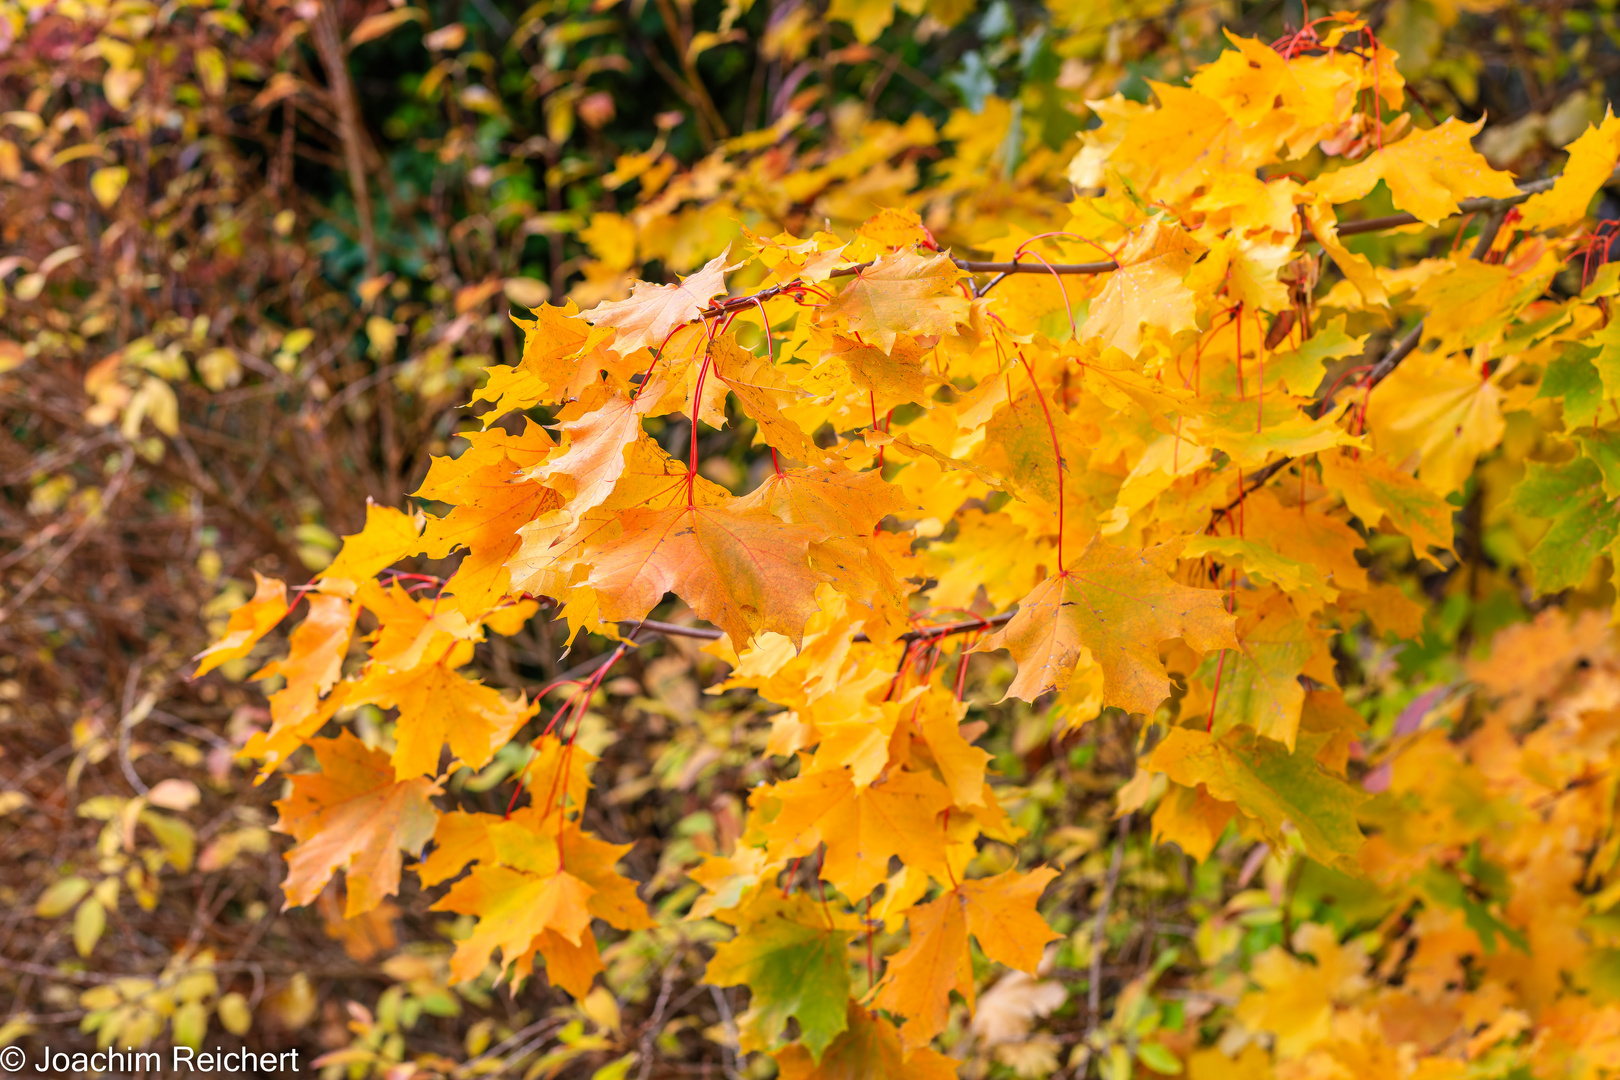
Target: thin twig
91 520
655 1022
1099 929
728 1062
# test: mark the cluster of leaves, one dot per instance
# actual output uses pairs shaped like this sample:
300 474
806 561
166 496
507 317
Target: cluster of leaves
259 286
1133 457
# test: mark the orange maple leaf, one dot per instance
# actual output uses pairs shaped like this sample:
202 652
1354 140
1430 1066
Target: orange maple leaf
746 573
514 908
1117 605
388 536
352 816
436 706
998 911
248 623
864 827
868 1049
313 663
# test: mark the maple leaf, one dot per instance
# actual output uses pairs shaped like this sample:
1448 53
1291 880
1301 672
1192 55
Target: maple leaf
999 912
248 623
1375 492
869 1049
1268 784
492 503
559 773
1428 173
918 980
1300 370
436 706
1471 301
352 816
938 719
1260 685
514 908
1117 606
553 344
1439 409
1592 158
1147 290
892 376
902 292
388 537
1295 101
1311 537
848 504
1191 819
571 966
314 661
762 393
459 838
646 319
412 630
1357 268
1001 915
865 826
613 898
1261 561
599 427
1018 445
1175 148
793 955
1585 520
743 572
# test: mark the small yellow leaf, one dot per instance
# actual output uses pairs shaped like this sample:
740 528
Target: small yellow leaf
107 184
88 923
234 1013
61 896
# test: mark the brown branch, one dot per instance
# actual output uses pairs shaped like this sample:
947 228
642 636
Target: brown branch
329 45
1466 206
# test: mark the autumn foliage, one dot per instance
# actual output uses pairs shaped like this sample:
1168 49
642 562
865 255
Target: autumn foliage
1203 445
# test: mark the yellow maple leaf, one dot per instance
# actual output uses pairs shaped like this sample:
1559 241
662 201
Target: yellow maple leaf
901 292
1428 173
1592 159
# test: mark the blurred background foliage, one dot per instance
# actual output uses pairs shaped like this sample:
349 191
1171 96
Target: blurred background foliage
253 256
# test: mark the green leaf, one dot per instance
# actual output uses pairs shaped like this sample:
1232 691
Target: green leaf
1259 686
1607 359
1270 785
1585 521
1604 450
1300 370
793 954
1159 1058
1574 378
1444 888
